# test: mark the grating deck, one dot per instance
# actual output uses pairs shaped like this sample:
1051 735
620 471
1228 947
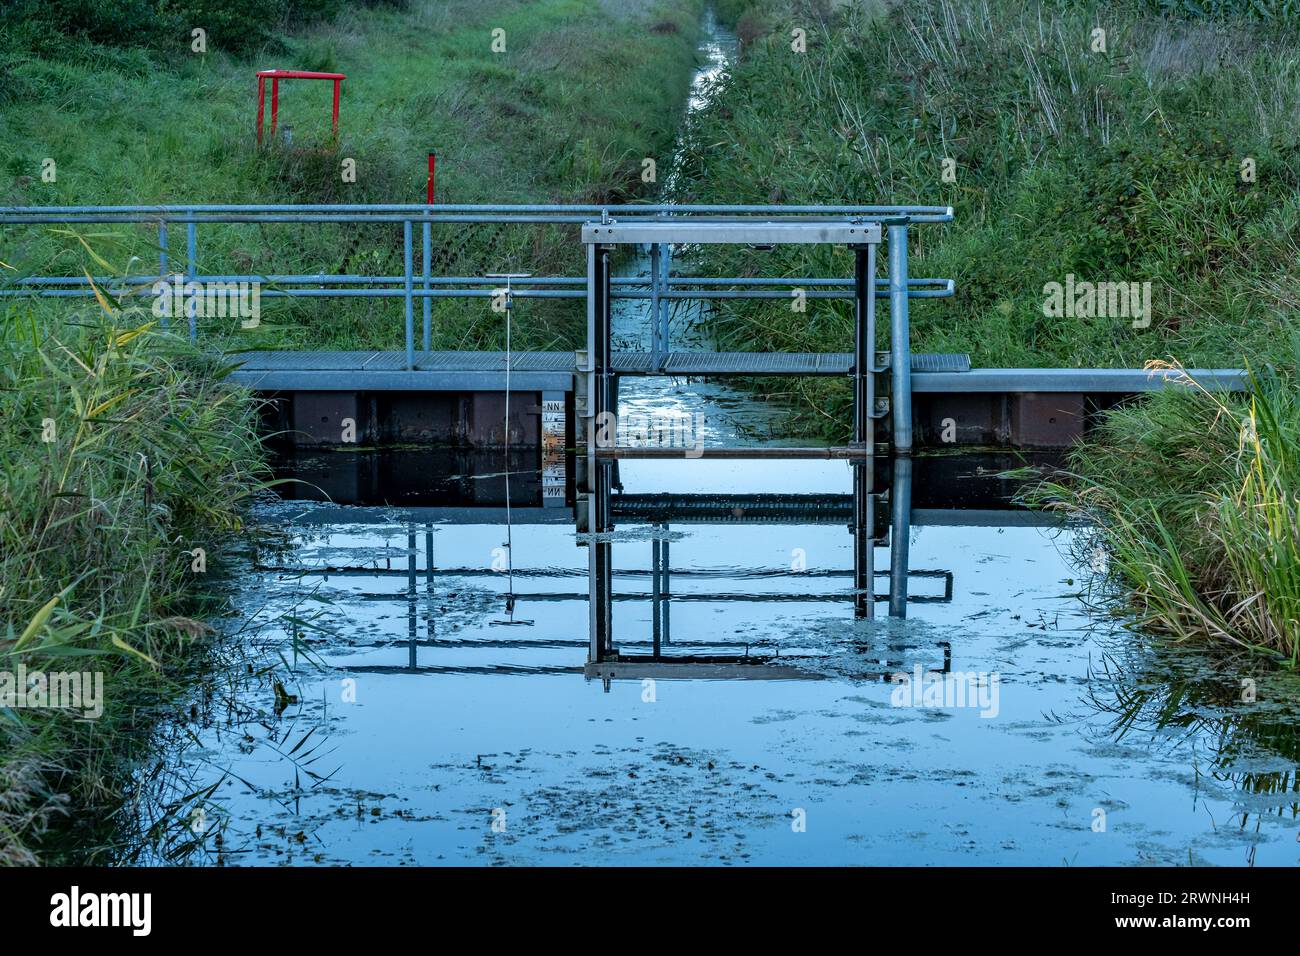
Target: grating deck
627 363
386 371
771 363
396 361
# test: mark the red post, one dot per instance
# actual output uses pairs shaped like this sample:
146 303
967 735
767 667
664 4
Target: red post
433 158
275 103
334 120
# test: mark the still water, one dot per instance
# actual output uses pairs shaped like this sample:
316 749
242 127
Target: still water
389 689
423 730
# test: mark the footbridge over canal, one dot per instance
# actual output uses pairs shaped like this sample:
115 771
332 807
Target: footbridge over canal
417 393
563 406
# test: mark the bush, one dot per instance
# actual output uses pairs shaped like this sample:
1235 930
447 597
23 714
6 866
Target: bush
123 450
236 26
64 27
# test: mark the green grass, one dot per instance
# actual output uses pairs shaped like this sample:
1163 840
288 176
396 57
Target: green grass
1228 9
1115 166
581 94
123 452
1194 496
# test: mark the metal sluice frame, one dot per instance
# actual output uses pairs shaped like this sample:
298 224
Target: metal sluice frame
598 377
423 286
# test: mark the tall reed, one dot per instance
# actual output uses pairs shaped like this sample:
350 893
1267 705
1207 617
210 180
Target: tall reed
123 464
1196 498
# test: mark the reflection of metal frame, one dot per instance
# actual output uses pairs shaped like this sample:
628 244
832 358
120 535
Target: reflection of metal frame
603 655
696 668
631 661
703 667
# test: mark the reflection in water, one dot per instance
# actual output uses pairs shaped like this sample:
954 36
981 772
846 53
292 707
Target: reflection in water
607 661
427 477
1249 720
366 709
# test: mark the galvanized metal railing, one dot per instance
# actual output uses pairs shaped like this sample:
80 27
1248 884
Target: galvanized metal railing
423 286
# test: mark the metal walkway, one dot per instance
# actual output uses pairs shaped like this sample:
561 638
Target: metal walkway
530 371
387 371
553 371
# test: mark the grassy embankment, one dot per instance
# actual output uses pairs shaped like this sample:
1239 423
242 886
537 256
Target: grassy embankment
1196 499
1123 165
581 94
123 454
149 454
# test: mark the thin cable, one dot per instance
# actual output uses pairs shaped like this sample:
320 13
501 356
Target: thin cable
510 550
510 537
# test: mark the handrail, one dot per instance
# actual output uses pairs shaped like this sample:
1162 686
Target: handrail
287 286
422 286
398 212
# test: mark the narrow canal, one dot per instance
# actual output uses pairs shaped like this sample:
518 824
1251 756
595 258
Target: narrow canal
386 692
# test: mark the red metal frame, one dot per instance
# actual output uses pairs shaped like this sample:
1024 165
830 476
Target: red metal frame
276 76
433 159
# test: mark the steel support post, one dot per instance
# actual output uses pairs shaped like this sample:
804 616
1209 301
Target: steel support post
864 345
191 270
605 468
601 410
408 279
600 554
864 403
427 303
656 343
665 304
900 532
900 354
163 266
